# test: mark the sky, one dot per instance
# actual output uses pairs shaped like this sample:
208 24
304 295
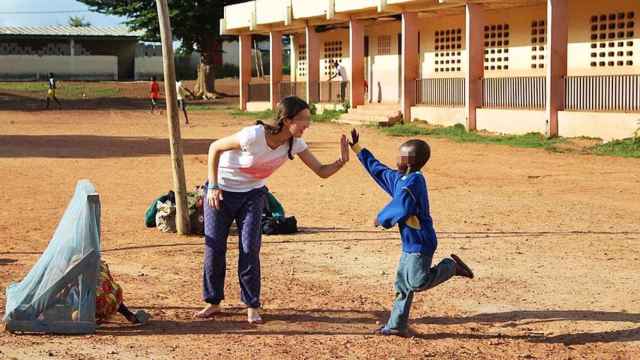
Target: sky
8 8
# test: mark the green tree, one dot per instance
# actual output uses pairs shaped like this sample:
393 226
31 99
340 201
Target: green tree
78 21
195 23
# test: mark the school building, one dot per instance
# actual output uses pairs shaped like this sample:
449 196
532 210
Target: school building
558 67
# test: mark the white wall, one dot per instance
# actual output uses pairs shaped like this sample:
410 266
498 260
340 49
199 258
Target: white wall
32 66
507 121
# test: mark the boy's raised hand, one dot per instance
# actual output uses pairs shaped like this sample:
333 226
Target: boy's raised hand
354 137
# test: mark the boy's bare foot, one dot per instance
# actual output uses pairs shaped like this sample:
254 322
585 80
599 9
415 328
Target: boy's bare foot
207 312
461 268
383 331
253 316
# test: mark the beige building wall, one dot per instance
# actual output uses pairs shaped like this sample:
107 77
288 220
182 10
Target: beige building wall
306 8
384 64
607 126
428 27
521 41
270 11
511 121
239 15
580 41
91 67
351 5
444 116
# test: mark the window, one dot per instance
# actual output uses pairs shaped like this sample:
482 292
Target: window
332 53
384 45
448 50
496 44
612 39
302 60
538 43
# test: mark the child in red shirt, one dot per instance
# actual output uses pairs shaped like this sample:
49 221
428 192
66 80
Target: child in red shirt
155 93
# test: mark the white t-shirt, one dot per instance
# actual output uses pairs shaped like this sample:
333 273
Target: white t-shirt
342 71
247 169
179 90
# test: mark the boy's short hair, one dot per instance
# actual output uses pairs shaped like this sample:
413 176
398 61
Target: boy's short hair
421 150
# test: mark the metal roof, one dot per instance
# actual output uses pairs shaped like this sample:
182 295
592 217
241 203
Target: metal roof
66 30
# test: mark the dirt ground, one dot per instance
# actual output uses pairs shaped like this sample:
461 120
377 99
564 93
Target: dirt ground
554 240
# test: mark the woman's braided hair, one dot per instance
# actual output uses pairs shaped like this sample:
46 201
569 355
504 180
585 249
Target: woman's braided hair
288 108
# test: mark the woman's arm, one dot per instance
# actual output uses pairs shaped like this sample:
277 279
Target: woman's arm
215 149
326 170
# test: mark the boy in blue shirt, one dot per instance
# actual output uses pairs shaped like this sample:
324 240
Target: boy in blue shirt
409 209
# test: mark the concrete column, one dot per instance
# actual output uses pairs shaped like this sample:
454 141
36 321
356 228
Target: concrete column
245 69
275 51
313 64
557 39
72 47
410 63
473 62
293 58
356 54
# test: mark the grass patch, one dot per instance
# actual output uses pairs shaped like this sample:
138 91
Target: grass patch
258 115
326 116
460 134
65 90
623 148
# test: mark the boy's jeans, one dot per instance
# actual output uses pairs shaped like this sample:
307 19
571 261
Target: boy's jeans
415 274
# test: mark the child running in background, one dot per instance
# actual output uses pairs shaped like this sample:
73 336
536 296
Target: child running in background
409 209
51 91
155 94
181 92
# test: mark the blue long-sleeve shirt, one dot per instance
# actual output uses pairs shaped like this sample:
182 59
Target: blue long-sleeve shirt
409 205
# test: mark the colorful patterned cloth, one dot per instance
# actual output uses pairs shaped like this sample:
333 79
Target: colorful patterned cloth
108 294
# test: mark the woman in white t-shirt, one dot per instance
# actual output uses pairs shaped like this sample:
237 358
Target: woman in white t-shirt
237 169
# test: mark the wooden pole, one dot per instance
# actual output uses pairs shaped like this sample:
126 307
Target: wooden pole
180 188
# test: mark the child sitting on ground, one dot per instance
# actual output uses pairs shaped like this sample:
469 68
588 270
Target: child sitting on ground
109 299
409 208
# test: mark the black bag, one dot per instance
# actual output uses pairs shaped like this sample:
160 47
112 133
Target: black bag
279 225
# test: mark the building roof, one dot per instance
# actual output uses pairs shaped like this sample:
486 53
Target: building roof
66 30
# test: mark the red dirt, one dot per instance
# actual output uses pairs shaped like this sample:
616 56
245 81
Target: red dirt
553 239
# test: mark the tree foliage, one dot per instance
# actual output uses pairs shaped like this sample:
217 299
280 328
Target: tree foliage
78 21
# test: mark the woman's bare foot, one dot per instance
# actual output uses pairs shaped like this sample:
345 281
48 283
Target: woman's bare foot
207 312
253 316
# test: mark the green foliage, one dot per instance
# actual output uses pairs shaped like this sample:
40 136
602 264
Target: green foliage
313 109
78 21
66 90
460 134
346 105
258 115
326 116
624 148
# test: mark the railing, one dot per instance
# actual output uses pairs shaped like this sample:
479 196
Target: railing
514 92
603 93
333 91
293 89
440 92
259 92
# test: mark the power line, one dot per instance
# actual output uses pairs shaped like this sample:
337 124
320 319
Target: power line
44 12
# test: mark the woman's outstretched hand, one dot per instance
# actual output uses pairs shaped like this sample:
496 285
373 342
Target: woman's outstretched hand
344 150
